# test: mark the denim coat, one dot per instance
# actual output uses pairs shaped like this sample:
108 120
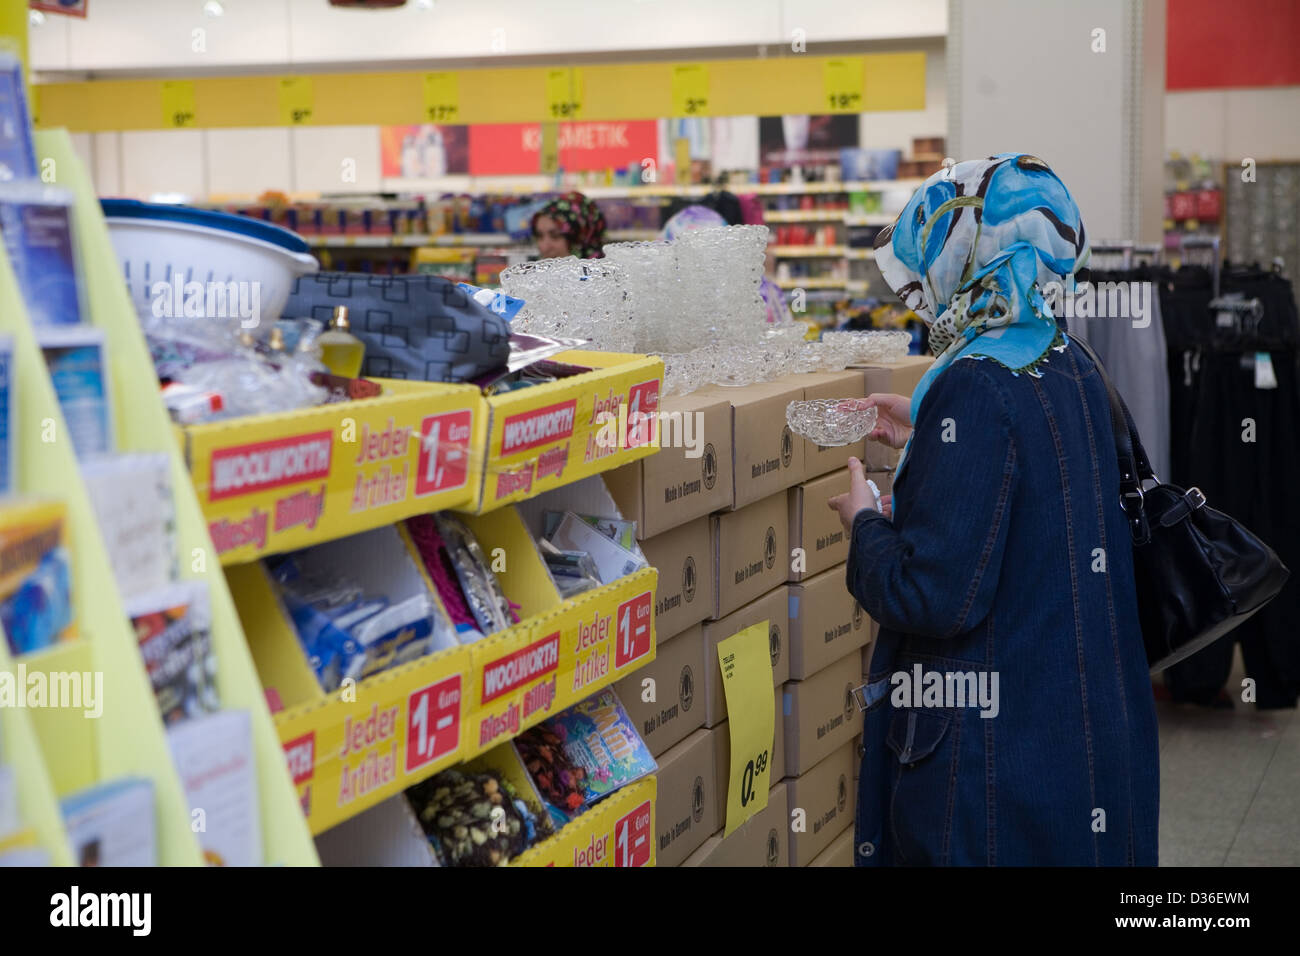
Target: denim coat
1008 554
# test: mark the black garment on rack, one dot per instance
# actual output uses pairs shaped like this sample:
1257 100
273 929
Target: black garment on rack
1237 442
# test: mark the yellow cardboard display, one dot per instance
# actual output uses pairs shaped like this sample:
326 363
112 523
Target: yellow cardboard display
619 831
142 424
550 435
272 483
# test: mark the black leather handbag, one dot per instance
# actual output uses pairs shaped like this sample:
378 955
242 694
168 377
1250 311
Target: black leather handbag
1199 573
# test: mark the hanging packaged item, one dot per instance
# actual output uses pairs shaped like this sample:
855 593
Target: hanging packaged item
37 222
132 498
462 576
112 824
78 369
35 575
174 628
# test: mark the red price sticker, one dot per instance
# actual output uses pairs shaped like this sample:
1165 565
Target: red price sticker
633 630
444 452
300 754
632 838
643 405
432 722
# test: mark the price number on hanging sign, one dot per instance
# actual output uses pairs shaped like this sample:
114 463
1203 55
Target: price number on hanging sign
297 100
178 107
563 94
441 97
690 90
842 80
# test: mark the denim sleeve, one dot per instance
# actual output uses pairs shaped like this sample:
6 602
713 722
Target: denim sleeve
934 573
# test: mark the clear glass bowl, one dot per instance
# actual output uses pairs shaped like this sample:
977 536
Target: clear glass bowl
830 421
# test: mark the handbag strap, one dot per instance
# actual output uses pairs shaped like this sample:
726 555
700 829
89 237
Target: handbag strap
1134 466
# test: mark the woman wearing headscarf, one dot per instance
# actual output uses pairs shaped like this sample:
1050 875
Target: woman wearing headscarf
1009 716
571 225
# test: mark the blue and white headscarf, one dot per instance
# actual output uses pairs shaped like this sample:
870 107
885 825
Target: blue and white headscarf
971 254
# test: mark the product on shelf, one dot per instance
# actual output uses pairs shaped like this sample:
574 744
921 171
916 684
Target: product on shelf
214 759
462 575
37 225
583 754
17 155
174 628
132 498
78 369
35 575
601 538
341 351
112 824
477 819
352 627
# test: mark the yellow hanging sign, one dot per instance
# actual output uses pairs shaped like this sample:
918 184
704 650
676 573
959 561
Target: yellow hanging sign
441 98
297 100
178 104
564 94
691 90
747 685
550 149
842 79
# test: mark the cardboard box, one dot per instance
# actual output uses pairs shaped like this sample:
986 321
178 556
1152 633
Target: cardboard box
721 744
686 806
821 713
766 456
684 558
751 550
690 475
826 797
678 707
773 607
819 459
839 853
826 623
815 527
898 378
760 841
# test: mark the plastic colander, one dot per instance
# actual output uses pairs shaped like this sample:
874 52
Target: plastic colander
156 242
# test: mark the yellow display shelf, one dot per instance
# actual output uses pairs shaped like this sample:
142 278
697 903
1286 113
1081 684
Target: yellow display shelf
142 424
362 464
128 738
741 87
550 435
38 805
618 832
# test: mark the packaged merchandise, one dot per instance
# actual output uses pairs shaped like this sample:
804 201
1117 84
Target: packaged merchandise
112 824
359 606
8 415
572 571
477 819
487 602
37 222
584 753
173 626
612 560
214 759
340 351
35 575
132 498
79 373
17 155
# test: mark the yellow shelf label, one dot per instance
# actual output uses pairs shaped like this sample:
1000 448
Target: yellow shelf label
549 151
747 685
297 100
442 97
843 82
178 104
564 94
691 90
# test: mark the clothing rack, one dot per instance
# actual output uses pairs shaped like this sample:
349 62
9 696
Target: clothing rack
1129 251
1197 243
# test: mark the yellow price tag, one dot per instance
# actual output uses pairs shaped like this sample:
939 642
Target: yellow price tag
747 685
550 148
441 97
564 94
178 104
842 79
297 100
691 90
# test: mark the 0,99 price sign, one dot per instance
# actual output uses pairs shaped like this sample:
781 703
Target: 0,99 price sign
747 685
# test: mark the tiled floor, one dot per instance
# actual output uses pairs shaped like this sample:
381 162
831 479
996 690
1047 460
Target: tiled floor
1229 786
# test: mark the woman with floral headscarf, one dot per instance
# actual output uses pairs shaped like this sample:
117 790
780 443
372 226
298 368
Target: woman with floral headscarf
571 225
1009 716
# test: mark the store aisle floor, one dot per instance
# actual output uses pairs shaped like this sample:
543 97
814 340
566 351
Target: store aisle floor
1230 781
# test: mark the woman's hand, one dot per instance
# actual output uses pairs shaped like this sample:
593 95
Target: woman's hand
893 417
859 496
